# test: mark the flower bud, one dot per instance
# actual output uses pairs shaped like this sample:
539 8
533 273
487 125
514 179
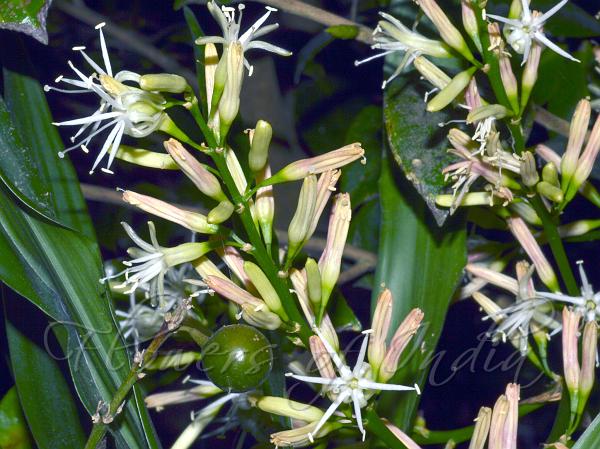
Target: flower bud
321 357
145 158
287 407
528 170
498 421
264 206
218 75
588 359
300 224
431 72
302 436
204 180
491 110
469 21
451 91
260 317
577 228
472 97
482 427
164 82
235 170
234 261
401 436
221 212
447 30
205 267
259 146
550 174
516 9
186 252
585 164
382 318
400 340
469 199
160 400
551 192
265 288
231 291
526 212
530 73
230 101
313 283
313 166
331 260
188 219
577 131
459 139
570 352
211 60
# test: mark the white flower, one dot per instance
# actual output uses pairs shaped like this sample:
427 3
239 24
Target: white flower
225 17
351 386
123 109
392 36
528 28
588 304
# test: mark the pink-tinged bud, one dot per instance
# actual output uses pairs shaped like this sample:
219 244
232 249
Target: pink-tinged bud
265 288
577 132
325 187
229 290
570 334
586 161
382 319
160 400
205 267
588 361
524 272
400 340
494 277
519 229
229 103
287 407
509 435
301 221
402 437
302 436
313 166
431 72
235 263
235 170
264 206
499 415
330 262
260 317
447 30
482 428
472 97
469 20
530 73
204 180
321 357
188 219
451 91
509 82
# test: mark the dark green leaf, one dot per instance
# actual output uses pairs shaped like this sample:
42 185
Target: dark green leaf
417 141
421 264
590 439
44 394
13 428
25 16
343 31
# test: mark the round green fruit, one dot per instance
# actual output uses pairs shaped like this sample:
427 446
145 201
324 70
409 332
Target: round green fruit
237 358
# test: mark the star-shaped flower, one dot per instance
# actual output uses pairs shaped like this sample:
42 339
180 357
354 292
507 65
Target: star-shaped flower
528 28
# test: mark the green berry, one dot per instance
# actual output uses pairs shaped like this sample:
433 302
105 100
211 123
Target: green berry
237 358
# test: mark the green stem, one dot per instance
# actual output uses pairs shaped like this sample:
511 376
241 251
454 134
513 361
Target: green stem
556 245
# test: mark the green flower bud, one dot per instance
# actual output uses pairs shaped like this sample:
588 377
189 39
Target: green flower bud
313 284
550 174
229 104
164 82
259 147
265 288
549 191
451 91
221 212
529 173
301 221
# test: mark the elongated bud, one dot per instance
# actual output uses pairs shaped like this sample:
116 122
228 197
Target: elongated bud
472 97
221 212
204 180
469 199
382 319
459 139
451 91
577 131
235 170
211 59
229 104
219 80
164 82
264 288
577 228
570 351
499 415
313 282
300 224
146 158
551 192
493 277
325 187
490 110
509 436
205 267
160 400
530 245
265 206
550 174
260 317
516 9
528 170
431 72
321 357
186 252
235 263
586 161
331 260
530 73
188 219
526 212
482 427
469 21
401 436
287 407
509 82
302 436
400 340
231 291
588 359
447 30
259 147
313 166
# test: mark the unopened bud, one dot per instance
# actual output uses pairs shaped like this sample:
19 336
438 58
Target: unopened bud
259 147
528 170
229 104
321 357
160 400
315 165
530 73
472 97
265 288
509 82
313 283
300 224
550 174
469 199
577 131
325 187
431 72
188 219
164 82
498 421
302 436
264 206
588 359
205 267
482 427
512 418
145 158
586 162
186 252
469 20
570 351
260 317
287 407
577 228
221 212
211 60
549 191
235 170
219 78
526 212
516 9
491 110
204 180
382 318
231 291
234 261
451 91
459 139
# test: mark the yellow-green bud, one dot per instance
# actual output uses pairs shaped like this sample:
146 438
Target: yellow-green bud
451 91
526 212
313 282
287 407
588 359
146 158
301 221
229 104
528 170
549 191
469 20
264 206
221 212
259 147
431 72
470 199
219 80
491 110
264 288
186 252
530 73
164 82
260 317
482 427
577 131
550 174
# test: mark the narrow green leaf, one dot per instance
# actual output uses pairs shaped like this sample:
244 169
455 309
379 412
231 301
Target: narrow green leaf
27 17
44 394
421 264
196 32
343 31
13 427
590 439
